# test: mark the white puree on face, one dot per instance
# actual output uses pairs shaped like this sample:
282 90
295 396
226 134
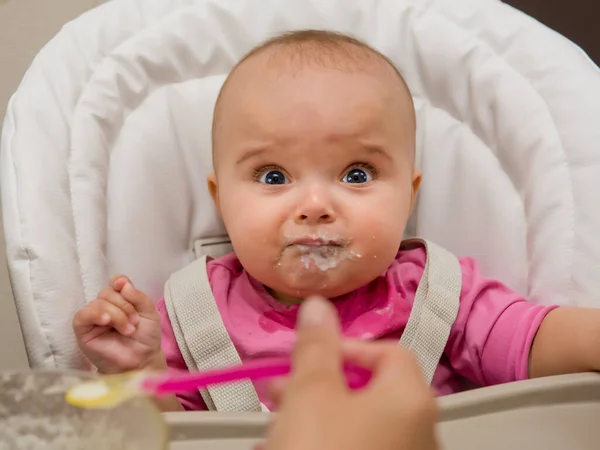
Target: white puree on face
325 257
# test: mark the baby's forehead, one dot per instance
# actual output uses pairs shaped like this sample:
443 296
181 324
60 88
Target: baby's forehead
256 77
281 81
312 100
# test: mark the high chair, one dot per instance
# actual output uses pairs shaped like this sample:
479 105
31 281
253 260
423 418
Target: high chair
106 147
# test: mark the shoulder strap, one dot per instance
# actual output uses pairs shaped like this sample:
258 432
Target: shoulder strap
435 306
202 337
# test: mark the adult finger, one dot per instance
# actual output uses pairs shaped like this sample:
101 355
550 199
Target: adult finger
397 385
317 354
276 389
387 360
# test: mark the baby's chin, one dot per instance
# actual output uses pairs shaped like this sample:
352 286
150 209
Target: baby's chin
296 294
302 271
301 279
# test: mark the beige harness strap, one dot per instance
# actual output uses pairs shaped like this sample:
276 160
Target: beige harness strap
202 337
205 343
435 306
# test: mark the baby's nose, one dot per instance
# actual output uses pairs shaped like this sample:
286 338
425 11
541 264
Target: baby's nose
314 218
315 209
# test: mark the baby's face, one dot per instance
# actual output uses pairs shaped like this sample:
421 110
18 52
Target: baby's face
314 177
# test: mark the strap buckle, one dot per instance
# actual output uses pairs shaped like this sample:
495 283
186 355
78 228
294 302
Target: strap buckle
213 247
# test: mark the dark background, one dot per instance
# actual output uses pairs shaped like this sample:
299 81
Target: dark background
579 20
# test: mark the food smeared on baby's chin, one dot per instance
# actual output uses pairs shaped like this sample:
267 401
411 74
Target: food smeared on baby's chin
317 251
313 264
323 257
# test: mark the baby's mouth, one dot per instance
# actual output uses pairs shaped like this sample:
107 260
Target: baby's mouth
315 240
314 243
320 251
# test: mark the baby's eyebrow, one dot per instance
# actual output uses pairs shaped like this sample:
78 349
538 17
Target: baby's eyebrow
376 150
250 154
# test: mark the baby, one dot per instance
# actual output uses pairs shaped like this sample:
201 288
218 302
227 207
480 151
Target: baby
315 179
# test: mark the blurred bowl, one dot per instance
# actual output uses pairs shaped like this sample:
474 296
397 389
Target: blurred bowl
34 416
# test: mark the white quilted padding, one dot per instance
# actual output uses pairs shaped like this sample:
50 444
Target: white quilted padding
106 145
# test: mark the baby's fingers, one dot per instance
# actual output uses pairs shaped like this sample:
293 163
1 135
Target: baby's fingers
101 312
117 299
143 304
118 282
116 318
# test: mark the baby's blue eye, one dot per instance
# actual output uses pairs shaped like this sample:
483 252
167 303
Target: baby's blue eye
357 176
273 177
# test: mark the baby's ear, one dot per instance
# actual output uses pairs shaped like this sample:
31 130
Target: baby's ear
416 183
213 188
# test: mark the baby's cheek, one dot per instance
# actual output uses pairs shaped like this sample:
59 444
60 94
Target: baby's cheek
380 226
248 232
381 239
251 229
242 212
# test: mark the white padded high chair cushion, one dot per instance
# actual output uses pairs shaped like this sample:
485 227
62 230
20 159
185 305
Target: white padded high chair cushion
106 145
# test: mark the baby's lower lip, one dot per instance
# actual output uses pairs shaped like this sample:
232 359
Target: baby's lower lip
315 244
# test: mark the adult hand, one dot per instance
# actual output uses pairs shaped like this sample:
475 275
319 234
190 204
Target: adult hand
396 411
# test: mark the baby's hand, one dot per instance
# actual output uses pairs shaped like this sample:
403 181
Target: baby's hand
120 330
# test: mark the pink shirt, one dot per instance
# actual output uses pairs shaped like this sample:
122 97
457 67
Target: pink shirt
489 343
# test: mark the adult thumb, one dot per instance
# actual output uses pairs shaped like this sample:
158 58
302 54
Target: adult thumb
318 349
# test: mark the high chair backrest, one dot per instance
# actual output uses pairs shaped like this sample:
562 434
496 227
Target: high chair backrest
106 145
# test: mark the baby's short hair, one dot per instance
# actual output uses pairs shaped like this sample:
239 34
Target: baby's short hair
320 47
301 48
